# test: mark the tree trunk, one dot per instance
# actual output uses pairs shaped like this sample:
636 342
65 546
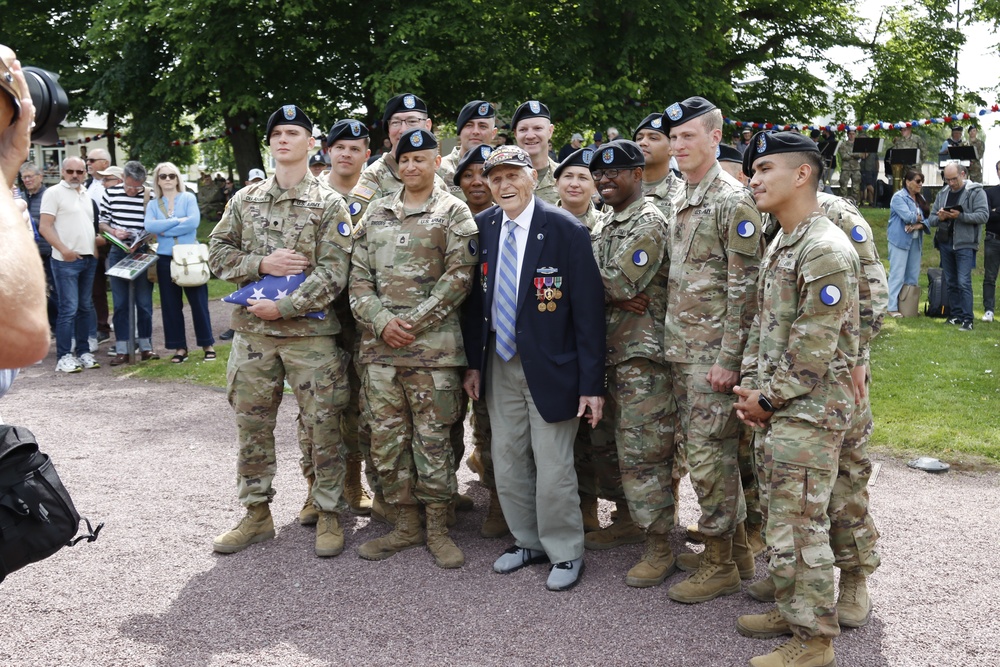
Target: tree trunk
246 146
111 124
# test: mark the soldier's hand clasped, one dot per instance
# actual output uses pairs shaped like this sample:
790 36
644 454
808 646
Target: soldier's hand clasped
284 262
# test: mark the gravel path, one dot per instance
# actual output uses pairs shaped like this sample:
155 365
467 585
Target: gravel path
155 462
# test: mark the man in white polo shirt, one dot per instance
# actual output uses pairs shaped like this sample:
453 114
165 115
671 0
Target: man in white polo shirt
67 223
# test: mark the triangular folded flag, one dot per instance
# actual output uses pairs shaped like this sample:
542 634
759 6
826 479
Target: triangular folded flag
270 287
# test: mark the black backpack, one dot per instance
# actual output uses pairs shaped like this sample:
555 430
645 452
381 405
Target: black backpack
37 517
937 294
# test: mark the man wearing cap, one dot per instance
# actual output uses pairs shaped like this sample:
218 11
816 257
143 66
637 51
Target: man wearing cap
954 141
744 141
477 125
850 168
411 271
381 178
532 127
317 165
631 250
715 249
797 389
534 333
575 144
659 183
976 166
286 225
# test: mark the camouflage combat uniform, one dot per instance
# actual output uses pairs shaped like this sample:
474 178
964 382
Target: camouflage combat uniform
416 266
546 188
379 179
976 166
714 255
449 163
850 171
631 252
311 219
664 193
800 353
914 141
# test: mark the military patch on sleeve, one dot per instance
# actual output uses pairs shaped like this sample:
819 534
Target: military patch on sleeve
861 236
639 258
468 231
354 208
363 192
344 236
830 295
744 233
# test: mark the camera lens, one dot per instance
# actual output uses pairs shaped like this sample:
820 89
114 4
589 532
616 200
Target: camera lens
51 104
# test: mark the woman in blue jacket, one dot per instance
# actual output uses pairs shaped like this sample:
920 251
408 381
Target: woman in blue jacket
174 218
907 224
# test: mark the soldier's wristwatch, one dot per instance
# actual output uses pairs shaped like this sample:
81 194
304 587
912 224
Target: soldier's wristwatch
765 404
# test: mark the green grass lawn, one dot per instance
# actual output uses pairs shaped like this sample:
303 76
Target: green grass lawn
935 389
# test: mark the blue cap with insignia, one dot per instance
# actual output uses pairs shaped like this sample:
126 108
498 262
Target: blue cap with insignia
578 158
618 154
472 110
349 129
530 109
679 113
653 121
402 104
289 114
415 140
764 143
475 155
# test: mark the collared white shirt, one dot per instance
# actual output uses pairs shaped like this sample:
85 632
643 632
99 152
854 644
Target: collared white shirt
522 224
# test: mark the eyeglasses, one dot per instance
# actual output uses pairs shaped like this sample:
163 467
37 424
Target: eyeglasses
918 180
612 174
95 159
167 177
409 122
75 171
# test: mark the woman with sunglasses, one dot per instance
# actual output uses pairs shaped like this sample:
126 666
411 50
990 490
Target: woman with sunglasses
174 218
908 213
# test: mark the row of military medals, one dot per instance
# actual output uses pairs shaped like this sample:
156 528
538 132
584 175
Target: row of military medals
547 291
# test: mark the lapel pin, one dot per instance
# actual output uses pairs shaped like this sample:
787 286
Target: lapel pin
540 237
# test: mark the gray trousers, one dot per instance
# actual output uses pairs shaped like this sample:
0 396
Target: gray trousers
533 466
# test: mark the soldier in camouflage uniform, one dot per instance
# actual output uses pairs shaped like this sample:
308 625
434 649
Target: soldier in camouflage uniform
715 252
412 270
532 127
631 252
850 169
797 386
660 184
907 140
282 226
477 126
976 166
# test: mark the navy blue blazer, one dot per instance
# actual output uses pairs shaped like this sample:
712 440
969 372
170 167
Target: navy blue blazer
562 349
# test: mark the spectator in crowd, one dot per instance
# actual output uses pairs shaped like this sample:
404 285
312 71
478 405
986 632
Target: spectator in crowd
612 134
907 223
575 142
976 166
744 140
100 329
67 223
316 165
598 140
174 218
211 199
34 189
991 250
122 215
958 212
954 141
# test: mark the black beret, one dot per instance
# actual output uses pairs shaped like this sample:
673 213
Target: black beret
679 113
347 128
287 115
971 128
653 121
578 158
508 154
957 128
726 153
402 104
815 134
475 109
618 154
763 144
475 155
530 109
415 140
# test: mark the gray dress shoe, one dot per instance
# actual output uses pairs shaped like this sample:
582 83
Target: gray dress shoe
515 558
565 575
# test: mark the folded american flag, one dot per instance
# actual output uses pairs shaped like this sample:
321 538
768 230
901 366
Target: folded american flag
270 287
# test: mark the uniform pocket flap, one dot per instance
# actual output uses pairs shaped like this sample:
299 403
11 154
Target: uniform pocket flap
817 555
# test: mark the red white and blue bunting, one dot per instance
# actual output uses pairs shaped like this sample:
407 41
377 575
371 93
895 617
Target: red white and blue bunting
176 142
878 125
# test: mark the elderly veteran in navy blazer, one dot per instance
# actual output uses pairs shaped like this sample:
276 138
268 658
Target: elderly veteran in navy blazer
534 335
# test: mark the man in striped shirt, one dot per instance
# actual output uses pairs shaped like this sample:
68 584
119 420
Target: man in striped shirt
123 213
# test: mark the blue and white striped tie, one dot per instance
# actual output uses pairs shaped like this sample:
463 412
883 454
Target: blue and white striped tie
506 296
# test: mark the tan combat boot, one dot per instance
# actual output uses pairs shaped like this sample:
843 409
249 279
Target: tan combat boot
763 626
742 556
588 506
755 538
812 652
656 565
446 554
463 503
329 535
622 531
695 535
308 514
382 511
354 493
763 590
853 604
405 535
475 463
495 524
717 574
256 526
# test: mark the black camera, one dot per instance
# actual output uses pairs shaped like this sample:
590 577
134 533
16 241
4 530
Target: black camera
51 104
